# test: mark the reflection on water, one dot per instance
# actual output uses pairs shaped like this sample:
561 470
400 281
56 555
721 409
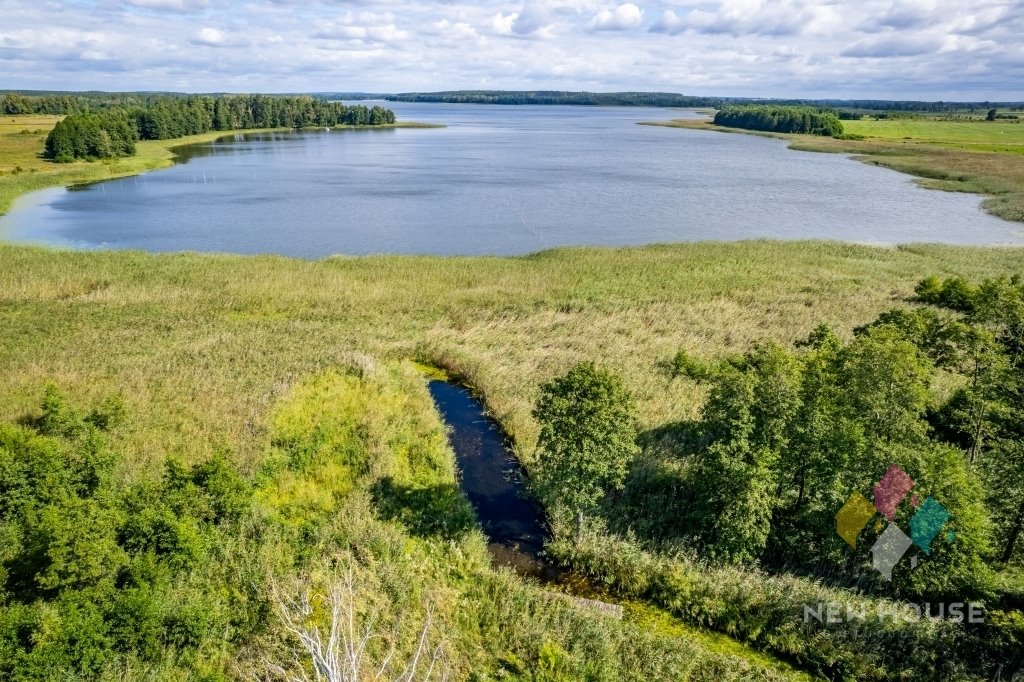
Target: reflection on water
497 180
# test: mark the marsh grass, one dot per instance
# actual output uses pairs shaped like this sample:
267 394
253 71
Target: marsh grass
216 353
202 347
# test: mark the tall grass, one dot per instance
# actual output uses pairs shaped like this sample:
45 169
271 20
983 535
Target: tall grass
224 353
871 638
201 347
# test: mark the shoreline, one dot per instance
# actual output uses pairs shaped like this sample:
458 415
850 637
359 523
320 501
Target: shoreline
150 155
934 166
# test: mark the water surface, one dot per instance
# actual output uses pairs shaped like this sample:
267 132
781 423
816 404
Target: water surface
492 480
498 180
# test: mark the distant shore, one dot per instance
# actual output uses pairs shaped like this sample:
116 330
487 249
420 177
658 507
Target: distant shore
978 161
24 170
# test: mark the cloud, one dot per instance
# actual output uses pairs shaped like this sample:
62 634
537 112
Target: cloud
670 23
621 18
387 33
535 20
502 23
892 47
179 6
364 26
211 37
341 32
903 15
740 18
458 30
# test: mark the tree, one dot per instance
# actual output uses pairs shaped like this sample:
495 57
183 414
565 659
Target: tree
732 478
587 438
991 116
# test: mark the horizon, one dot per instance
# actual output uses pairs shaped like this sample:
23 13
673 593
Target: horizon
356 96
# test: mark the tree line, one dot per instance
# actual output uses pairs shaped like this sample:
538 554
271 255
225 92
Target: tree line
668 99
113 132
63 103
646 99
781 119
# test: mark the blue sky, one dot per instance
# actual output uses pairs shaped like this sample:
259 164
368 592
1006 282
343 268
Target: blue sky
893 49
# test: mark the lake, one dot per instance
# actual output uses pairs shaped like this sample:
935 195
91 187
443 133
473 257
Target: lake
498 180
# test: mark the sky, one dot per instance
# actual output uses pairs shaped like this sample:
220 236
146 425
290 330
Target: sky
884 49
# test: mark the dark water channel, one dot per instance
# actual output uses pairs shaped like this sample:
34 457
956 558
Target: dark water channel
493 480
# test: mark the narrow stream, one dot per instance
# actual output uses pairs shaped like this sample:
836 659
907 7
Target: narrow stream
493 480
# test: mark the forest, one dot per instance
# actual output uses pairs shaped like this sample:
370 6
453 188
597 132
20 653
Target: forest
112 132
781 119
646 99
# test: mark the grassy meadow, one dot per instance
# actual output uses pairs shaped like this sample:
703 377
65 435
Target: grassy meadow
980 136
202 346
958 156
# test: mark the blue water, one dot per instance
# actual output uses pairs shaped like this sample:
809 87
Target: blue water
498 180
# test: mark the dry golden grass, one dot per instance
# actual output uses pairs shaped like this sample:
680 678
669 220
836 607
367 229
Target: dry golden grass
202 346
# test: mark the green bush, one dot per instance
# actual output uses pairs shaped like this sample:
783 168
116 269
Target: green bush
94 571
587 438
768 613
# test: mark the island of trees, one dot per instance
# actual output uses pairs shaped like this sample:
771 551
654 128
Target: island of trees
781 119
113 132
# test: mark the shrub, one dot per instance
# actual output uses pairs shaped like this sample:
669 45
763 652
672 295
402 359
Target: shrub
587 437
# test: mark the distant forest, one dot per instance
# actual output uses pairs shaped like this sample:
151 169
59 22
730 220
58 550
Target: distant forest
111 131
670 99
57 102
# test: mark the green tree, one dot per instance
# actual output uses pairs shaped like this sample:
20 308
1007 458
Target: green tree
587 438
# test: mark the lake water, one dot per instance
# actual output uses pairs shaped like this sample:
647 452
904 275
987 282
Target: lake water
498 180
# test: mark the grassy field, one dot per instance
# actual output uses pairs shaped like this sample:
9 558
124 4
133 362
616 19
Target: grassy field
202 346
23 168
957 156
979 136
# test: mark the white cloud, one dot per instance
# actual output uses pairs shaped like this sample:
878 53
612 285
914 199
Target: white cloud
535 20
892 47
743 17
502 23
213 37
388 33
946 49
623 17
